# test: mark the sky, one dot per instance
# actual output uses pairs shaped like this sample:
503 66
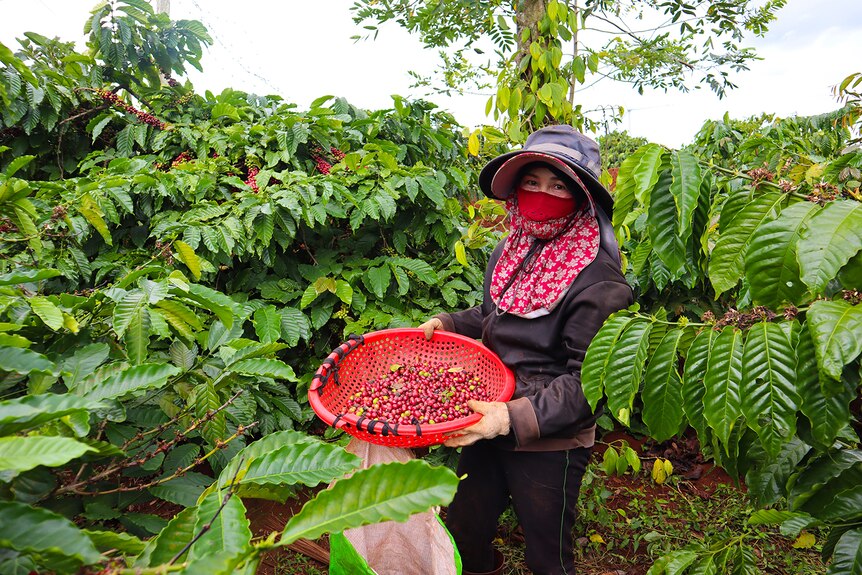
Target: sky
301 50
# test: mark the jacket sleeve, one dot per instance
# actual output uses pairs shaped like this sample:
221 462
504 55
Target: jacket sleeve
561 404
466 322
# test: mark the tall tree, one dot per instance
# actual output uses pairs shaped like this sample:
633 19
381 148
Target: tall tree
544 49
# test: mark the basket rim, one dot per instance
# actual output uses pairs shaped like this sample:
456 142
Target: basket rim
349 422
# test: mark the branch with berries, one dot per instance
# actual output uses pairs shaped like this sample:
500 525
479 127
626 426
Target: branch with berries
117 102
78 486
322 161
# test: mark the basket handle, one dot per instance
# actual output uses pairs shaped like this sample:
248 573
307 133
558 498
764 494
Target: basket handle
330 364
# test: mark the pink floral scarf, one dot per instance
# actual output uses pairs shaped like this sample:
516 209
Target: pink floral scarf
534 288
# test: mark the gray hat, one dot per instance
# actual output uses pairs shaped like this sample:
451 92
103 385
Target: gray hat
560 146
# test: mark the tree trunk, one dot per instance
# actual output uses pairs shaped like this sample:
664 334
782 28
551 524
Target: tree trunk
528 13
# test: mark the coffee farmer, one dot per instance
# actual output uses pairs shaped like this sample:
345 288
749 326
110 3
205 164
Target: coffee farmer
549 286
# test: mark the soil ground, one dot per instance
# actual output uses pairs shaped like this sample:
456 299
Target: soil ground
626 521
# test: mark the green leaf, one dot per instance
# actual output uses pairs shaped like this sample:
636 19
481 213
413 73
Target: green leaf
33 410
662 391
377 280
187 255
847 557
18 163
182 355
264 367
221 305
635 180
768 388
255 350
422 269
344 291
433 190
598 355
126 141
721 399
183 490
686 189
309 295
49 313
21 276
94 214
827 413
83 362
728 256
390 491
137 336
840 499
267 324
224 110
176 535
132 380
20 360
770 517
265 444
110 540
836 328
674 563
770 263
692 383
831 238
229 531
662 217
625 369
206 401
767 478
128 310
819 473
54 540
180 317
19 454
306 463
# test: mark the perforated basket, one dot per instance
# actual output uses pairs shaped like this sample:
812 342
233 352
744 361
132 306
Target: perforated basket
363 358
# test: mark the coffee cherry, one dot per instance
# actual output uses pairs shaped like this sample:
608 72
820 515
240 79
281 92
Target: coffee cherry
423 393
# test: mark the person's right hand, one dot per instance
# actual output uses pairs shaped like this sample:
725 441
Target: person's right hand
429 326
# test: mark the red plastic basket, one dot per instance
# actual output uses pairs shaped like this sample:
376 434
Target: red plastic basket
370 356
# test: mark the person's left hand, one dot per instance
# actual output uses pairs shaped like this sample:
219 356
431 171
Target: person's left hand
494 422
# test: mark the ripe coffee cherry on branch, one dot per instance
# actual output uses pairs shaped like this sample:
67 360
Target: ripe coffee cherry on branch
321 165
182 157
423 393
144 117
251 180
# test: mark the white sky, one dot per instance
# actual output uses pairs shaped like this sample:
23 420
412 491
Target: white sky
302 50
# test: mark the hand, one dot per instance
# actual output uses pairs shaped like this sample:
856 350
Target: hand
429 326
494 422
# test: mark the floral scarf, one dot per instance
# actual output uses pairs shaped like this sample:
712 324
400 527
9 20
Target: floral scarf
533 288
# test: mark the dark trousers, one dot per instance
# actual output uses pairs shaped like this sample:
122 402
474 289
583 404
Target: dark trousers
543 487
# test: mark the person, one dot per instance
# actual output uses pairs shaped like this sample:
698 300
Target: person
549 286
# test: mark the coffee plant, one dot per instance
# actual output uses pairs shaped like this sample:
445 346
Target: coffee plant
175 265
745 251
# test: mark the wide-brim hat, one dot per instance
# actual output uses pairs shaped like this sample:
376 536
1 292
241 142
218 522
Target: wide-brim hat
561 146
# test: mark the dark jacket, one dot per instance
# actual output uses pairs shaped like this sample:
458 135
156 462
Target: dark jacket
548 410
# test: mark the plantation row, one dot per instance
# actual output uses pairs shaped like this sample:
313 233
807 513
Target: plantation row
175 266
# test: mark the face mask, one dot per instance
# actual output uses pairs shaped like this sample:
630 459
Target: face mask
539 206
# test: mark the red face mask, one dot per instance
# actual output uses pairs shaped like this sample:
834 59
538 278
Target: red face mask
539 206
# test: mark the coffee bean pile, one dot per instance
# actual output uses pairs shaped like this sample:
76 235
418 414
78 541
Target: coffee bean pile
421 393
